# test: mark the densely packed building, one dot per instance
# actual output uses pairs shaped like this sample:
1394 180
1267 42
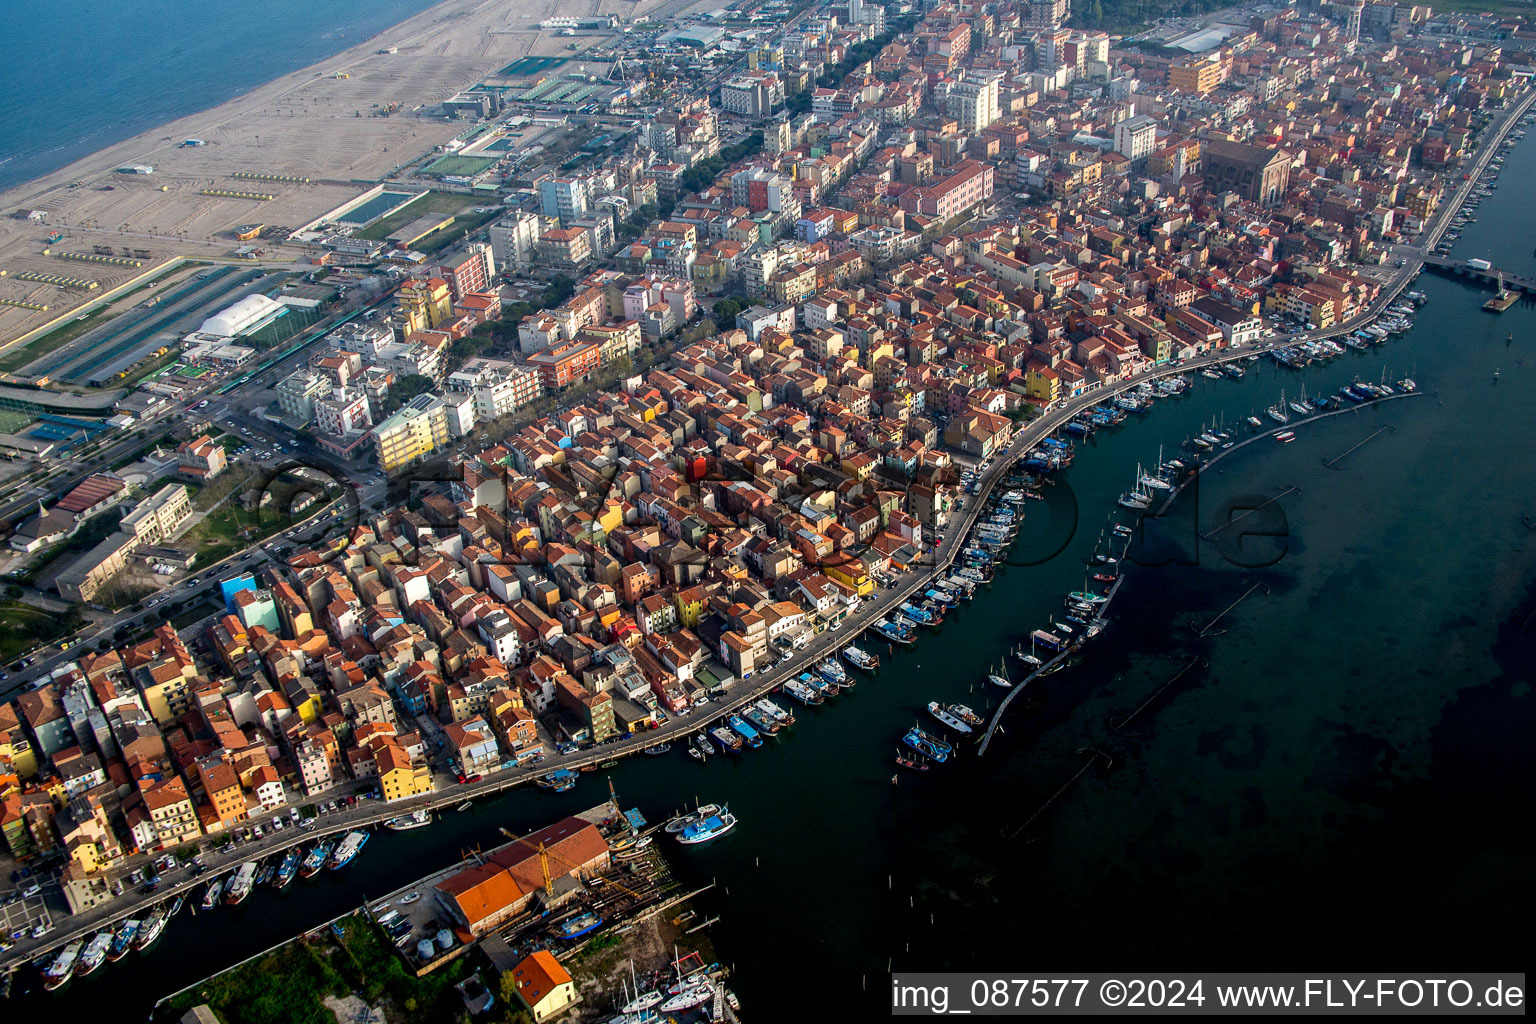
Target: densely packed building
991 213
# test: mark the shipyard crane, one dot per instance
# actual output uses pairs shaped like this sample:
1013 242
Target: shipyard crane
545 856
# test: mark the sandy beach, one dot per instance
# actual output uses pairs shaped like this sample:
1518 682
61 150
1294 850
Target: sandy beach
322 123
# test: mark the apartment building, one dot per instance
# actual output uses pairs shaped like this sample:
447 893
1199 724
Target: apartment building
416 431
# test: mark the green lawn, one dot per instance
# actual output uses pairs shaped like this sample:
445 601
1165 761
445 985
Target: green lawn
431 203
22 627
455 231
35 349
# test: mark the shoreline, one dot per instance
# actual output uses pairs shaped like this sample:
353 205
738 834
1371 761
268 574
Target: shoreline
139 147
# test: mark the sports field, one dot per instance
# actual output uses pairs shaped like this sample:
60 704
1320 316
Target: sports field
530 66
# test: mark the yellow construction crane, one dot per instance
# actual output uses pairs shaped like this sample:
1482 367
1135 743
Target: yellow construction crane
544 858
549 880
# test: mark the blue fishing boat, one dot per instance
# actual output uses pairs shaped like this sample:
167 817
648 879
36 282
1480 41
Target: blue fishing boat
559 781
920 615
712 827
576 927
832 672
748 734
926 745
287 869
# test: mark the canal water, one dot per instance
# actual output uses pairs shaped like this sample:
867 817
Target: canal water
1335 783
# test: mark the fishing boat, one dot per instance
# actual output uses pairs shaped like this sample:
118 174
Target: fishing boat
764 724
706 828
818 684
153 925
773 711
726 740
349 848
576 927
698 755
1086 597
212 892
803 693
315 860
928 745
915 761
682 821
940 712
416 819
657 750
560 780
832 672
94 954
1105 577
860 659
748 734
892 632
287 869
122 941
239 885
701 745
63 966
965 714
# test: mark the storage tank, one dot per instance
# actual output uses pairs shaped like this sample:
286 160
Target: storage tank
444 939
424 949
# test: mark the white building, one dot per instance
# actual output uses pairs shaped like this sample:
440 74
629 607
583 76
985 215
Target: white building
249 314
974 100
515 239
1135 138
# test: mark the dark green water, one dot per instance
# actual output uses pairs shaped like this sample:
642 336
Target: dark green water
1338 785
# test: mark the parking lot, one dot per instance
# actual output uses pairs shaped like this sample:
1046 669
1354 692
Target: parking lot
21 915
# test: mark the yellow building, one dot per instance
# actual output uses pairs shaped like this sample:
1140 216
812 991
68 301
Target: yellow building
689 603
398 778
423 304
1199 75
1042 383
417 430
165 690
851 574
